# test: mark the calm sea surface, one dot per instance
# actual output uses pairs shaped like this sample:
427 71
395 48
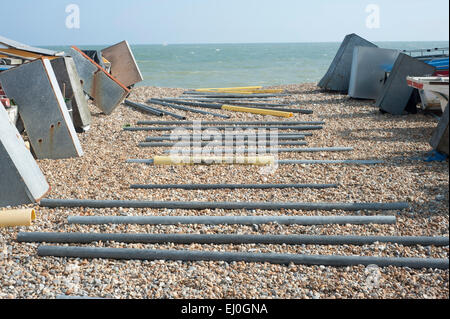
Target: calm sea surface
223 65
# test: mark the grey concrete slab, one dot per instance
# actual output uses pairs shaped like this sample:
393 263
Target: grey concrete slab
440 138
123 64
396 92
34 88
337 77
106 91
70 85
368 71
21 180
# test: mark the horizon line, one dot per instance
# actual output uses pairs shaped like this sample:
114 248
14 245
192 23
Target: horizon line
231 43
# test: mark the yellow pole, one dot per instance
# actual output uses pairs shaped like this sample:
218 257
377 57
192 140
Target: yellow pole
202 160
232 88
247 91
19 217
256 111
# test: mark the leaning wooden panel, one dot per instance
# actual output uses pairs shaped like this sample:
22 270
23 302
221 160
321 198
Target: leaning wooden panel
106 91
21 180
123 64
34 88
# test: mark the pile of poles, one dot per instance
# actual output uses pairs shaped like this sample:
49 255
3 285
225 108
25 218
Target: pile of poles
255 100
231 99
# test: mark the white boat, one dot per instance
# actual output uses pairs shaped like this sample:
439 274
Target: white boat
434 91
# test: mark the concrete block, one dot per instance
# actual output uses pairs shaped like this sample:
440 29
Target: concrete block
106 91
440 138
337 77
34 88
70 84
368 71
21 180
123 64
396 92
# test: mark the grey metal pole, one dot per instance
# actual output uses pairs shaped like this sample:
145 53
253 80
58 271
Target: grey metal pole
233 134
219 128
53 203
223 239
229 101
186 255
314 162
219 106
232 186
140 161
290 162
154 110
267 150
144 108
224 143
231 220
222 137
231 123
187 109
233 96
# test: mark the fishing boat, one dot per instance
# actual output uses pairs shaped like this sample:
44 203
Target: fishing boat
433 90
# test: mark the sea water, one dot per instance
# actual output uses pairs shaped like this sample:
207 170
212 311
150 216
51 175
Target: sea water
225 65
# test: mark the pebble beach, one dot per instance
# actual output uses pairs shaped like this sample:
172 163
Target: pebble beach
102 173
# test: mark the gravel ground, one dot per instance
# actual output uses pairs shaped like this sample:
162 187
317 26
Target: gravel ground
103 174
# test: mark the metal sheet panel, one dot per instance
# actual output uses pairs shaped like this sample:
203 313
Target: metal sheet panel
21 180
440 138
35 89
106 91
337 77
123 63
368 71
69 82
396 93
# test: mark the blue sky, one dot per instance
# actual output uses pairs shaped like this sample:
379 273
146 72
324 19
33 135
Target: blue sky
43 22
